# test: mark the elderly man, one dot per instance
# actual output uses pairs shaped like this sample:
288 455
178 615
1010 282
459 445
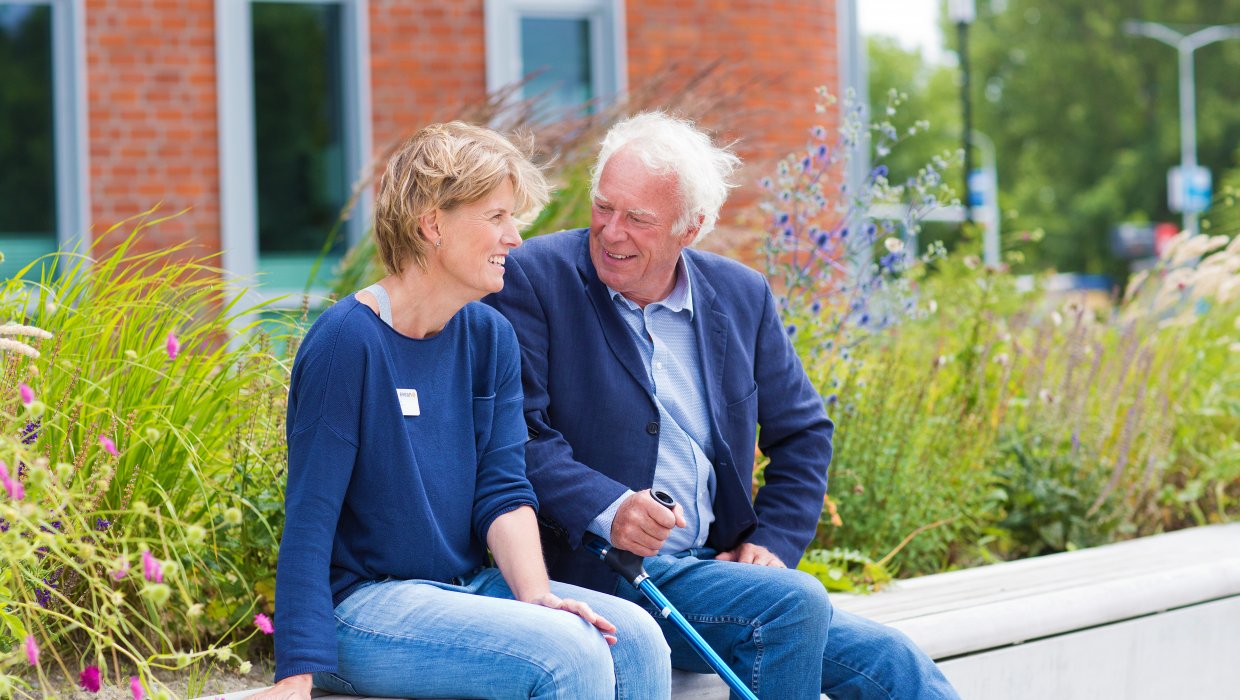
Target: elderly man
651 365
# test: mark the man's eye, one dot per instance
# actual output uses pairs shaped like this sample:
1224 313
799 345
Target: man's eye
602 207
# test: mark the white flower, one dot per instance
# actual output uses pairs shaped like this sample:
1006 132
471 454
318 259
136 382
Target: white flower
1001 359
894 245
933 307
1045 396
1056 318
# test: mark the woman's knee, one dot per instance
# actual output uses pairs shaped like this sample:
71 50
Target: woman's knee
576 662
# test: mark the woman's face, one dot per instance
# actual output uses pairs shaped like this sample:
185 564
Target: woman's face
476 240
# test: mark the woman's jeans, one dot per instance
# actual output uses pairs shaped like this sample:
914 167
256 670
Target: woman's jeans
422 639
778 631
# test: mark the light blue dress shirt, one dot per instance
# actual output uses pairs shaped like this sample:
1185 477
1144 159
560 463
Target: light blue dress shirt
684 468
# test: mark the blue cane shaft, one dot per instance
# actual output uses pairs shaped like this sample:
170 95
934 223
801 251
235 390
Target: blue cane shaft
665 608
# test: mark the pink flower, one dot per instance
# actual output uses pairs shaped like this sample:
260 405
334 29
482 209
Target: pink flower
151 568
16 491
108 445
121 572
89 679
32 650
263 623
173 346
26 392
135 687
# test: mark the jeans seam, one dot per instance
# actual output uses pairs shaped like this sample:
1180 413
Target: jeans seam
547 673
863 674
756 635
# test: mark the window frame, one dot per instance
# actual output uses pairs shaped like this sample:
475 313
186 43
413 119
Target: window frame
70 131
608 47
238 150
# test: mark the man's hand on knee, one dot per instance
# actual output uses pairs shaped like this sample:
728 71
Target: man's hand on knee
642 524
749 553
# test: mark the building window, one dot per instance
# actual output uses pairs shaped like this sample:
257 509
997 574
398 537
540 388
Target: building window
294 125
569 52
39 171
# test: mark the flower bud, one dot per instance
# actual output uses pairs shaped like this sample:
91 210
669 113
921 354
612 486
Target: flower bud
157 593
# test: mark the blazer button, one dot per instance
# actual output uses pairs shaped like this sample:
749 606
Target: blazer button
653 427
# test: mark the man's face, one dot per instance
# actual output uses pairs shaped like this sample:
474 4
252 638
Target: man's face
631 241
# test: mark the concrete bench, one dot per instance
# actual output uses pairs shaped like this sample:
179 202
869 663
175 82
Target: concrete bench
1154 618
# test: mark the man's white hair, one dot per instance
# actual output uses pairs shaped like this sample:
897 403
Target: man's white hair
667 145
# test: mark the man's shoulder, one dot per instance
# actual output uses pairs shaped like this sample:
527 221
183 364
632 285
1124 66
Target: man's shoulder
552 250
727 277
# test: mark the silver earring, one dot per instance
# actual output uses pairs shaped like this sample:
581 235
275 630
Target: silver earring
438 242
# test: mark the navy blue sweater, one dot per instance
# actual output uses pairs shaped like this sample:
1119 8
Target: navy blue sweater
374 493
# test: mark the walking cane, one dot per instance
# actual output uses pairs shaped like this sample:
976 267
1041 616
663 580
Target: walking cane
629 566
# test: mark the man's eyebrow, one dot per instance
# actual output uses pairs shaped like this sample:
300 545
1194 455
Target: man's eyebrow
643 212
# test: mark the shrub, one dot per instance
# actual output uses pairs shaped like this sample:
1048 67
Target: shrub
144 445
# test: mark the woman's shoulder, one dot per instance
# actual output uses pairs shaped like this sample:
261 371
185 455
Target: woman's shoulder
344 323
480 318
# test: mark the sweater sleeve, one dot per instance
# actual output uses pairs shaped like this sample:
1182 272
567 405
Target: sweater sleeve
324 401
501 484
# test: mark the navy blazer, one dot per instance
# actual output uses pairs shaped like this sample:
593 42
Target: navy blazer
593 425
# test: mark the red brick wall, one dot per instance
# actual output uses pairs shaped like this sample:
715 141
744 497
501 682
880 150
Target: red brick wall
773 54
150 67
427 59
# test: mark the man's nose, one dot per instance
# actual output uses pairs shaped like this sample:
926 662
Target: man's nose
612 229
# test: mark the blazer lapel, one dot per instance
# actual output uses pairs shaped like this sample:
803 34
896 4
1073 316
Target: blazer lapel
710 325
617 333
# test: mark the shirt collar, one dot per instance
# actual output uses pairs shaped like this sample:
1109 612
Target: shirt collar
679 299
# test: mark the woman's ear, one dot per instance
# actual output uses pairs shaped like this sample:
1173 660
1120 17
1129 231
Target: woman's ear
428 224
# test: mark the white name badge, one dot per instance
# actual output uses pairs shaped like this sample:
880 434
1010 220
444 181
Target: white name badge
409 402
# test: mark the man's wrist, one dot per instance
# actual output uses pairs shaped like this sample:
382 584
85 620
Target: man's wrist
601 525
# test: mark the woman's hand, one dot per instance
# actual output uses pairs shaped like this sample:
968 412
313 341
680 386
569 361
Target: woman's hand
291 688
580 609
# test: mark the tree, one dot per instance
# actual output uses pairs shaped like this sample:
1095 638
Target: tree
1085 117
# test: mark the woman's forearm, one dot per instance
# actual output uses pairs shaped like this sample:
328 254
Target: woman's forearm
513 539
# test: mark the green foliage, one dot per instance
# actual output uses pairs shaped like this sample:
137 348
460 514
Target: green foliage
845 570
1085 117
1004 423
151 436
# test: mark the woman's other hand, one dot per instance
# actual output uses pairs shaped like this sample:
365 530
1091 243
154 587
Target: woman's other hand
291 688
580 609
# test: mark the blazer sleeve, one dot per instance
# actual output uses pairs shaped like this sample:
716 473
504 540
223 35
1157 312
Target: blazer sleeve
795 433
570 493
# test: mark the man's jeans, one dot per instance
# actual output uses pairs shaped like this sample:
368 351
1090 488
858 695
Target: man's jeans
779 633
425 639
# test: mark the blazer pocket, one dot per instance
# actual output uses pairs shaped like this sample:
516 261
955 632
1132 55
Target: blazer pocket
747 397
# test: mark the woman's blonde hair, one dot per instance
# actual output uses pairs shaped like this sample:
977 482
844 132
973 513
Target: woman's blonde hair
444 166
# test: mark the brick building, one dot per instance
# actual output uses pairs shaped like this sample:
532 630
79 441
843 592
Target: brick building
258 116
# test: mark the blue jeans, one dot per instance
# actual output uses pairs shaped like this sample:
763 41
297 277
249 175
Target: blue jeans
779 633
422 639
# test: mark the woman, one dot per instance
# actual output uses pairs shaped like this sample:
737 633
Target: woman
406 463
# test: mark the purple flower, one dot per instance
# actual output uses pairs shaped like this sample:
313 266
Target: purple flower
152 569
16 491
89 679
32 650
30 433
263 623
173 346
26 393
102 524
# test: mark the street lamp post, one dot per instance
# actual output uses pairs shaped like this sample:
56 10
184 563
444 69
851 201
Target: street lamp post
1185 45
962 13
